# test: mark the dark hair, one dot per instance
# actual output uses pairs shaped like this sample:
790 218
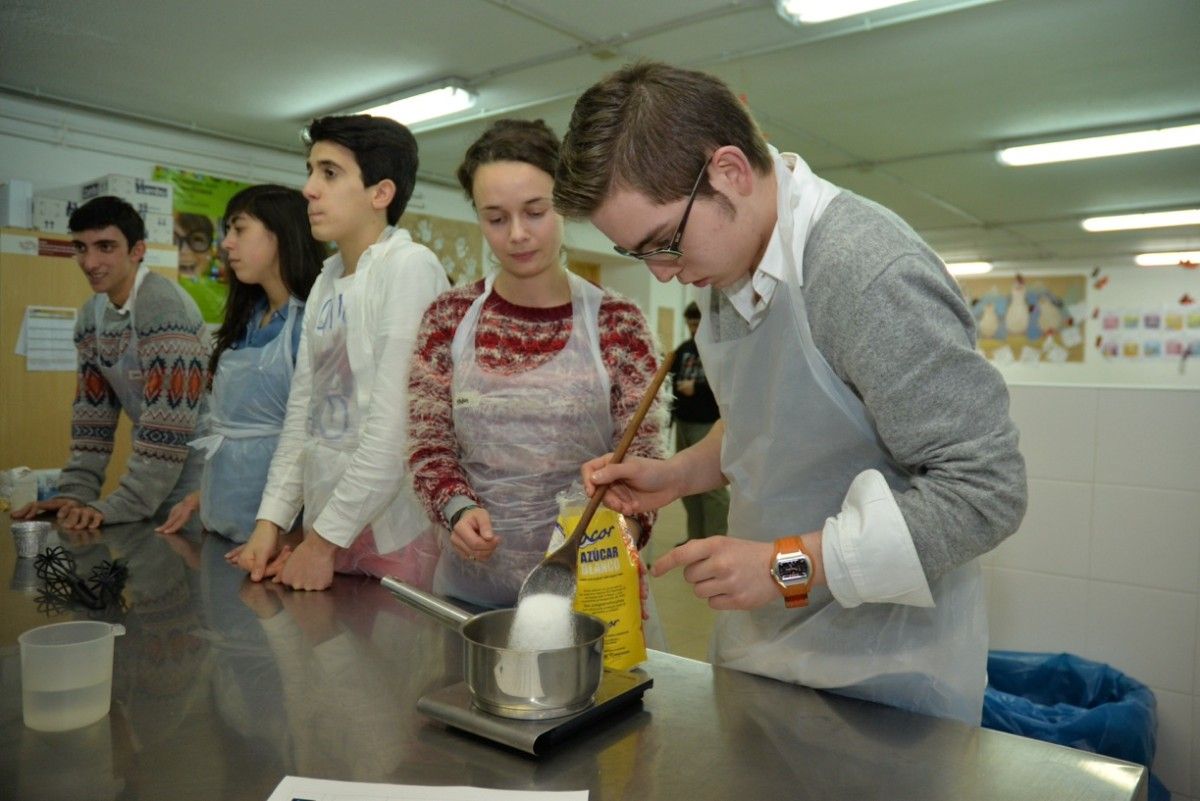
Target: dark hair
527 141
692 312
284 212
649 127
107 210
194 222
383 148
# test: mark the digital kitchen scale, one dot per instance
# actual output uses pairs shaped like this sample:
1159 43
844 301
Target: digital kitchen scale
453 706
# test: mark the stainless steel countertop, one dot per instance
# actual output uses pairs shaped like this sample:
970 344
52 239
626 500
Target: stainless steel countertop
222 687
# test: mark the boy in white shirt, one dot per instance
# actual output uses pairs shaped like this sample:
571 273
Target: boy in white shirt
341 455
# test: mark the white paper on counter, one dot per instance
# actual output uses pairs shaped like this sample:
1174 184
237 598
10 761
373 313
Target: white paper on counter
294 788
47 339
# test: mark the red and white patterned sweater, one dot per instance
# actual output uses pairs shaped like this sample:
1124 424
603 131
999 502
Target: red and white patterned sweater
512 339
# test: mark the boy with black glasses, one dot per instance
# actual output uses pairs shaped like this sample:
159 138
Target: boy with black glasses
867 445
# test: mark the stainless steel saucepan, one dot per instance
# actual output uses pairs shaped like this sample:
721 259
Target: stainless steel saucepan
527 685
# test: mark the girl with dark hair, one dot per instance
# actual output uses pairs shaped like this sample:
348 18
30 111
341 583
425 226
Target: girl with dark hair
273 261
519 378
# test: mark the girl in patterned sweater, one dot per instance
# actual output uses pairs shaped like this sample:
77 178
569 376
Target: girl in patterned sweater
519 378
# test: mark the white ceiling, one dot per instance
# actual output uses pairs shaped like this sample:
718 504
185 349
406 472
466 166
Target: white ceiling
905 107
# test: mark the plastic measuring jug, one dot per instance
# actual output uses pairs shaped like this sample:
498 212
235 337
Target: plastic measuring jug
66 674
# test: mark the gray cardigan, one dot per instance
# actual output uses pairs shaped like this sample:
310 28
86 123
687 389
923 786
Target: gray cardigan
894 326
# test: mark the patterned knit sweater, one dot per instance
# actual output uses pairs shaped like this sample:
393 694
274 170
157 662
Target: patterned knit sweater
511 339
172 350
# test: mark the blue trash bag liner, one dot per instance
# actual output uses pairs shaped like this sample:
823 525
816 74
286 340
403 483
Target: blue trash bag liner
1069 700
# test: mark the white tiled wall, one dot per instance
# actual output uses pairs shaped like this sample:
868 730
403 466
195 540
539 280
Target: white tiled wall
1107 562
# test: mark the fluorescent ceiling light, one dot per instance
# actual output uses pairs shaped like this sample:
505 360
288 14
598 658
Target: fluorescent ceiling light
970 267
1167 259
1099 146
450 97
810 11
1131 222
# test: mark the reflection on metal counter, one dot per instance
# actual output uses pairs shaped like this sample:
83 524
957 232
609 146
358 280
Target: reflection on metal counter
222 687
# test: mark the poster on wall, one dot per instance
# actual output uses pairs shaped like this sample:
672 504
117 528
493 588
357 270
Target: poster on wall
457 244
200 202
1147 333
1029 320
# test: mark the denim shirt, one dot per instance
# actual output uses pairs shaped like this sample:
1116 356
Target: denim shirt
257 334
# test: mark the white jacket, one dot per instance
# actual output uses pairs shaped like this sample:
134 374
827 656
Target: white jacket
395 281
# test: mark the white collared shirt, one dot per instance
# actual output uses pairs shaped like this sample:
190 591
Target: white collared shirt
127 306
751 296
395 280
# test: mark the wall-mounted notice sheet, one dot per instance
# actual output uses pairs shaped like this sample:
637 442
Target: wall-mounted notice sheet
47 339
296 788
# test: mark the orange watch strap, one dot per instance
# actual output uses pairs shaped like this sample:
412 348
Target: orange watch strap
793 596
789 544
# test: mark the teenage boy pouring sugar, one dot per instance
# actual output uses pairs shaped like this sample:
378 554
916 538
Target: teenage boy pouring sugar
867 445
341 455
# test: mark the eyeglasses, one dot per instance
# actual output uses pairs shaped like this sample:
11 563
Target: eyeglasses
671 252
197 241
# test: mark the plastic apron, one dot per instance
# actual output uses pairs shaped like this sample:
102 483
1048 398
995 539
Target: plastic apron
521 441
128 383
249 402
334 422
790 455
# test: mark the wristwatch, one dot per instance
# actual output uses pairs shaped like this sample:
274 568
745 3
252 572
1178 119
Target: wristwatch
792 570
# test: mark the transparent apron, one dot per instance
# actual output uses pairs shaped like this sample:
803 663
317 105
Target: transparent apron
522 439
790 455
128 383
334 423
249 401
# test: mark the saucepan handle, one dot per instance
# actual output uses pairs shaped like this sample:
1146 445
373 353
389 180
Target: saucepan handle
440 608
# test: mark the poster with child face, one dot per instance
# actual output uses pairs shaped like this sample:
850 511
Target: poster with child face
200 202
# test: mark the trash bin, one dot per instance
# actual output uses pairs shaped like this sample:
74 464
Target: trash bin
1069 700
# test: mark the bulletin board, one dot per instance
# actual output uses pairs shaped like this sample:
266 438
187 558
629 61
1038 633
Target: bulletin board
1029 319
1149 331
457 244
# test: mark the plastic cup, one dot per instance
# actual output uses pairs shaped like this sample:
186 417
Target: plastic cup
66 674
29 537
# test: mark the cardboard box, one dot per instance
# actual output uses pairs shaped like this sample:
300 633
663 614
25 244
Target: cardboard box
160 228
148 197
16 204
52 213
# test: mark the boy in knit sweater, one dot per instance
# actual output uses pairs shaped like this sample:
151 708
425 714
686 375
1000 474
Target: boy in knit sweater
142 348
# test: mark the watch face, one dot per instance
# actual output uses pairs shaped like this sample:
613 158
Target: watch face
792 571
